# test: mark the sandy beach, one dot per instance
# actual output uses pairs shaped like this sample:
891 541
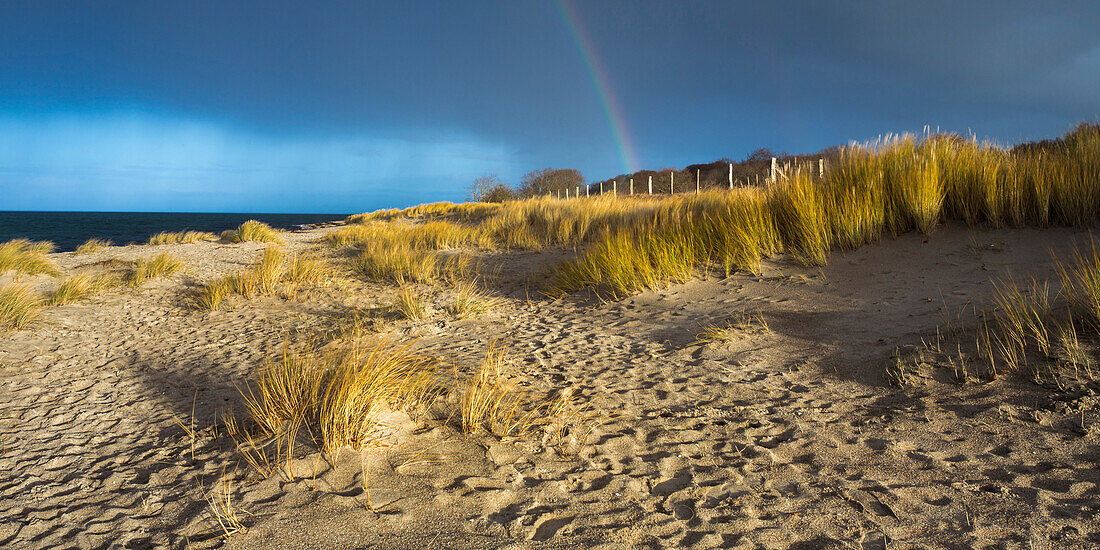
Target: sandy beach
786 435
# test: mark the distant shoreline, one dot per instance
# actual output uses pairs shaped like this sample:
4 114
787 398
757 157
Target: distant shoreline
67 230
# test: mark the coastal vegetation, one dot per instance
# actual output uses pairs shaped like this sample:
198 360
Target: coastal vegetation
23 256
177 237
92 245
252 230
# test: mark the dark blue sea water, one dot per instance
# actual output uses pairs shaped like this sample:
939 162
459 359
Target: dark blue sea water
69 229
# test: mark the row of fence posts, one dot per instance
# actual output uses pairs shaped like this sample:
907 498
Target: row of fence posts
776 173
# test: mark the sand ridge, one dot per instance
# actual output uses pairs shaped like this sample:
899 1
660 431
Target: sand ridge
784 437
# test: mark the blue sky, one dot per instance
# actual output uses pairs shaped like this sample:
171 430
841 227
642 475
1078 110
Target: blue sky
351 106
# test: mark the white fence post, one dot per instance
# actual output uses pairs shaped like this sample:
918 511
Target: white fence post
650 185
615 188
631 186
586 187
696 181
672 183
821 168
774 167
601 187
731 176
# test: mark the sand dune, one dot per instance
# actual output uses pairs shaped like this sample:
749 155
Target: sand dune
786 436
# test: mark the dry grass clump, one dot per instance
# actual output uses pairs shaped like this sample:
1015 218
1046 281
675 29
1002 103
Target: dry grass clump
430 235
177 237
400 263
490 401
19 307
620 264
275 273
470 301
338 397
161 265
410 304
27 257
81 286
92 245
252 230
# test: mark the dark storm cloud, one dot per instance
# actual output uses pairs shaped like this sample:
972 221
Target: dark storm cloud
504 83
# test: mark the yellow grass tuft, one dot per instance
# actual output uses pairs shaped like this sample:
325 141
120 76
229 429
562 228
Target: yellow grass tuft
410 304
92 245
338 397
252 230
177 237
19 307
490 401
161 265
80 286
27 257
470 301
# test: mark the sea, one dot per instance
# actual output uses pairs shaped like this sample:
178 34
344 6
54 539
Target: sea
67 230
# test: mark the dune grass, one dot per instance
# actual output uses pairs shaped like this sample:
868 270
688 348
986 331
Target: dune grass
27 257
146 269
19 307
429 235
338 397
275 273
252 230
184 237
470 301
410 304
92 245
492 402
626 244
81 286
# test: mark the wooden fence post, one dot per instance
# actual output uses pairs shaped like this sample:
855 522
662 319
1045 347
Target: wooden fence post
696 181
650 185
586 187
631 186
615 188
672 183
578 195
773 170
731 176
821 168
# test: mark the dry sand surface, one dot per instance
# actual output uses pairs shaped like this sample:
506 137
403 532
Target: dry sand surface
784 437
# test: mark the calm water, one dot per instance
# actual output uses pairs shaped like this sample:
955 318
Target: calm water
69 229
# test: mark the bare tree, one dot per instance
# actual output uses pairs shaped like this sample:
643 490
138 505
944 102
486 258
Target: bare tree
549 180
489 188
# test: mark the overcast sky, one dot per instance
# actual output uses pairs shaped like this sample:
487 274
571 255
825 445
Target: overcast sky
344 107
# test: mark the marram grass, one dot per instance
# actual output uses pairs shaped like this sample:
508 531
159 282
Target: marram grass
185 237
252 230
92 245
19 307
626 244
161 265
27 257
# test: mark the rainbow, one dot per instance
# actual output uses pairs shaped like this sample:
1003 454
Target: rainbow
598 74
